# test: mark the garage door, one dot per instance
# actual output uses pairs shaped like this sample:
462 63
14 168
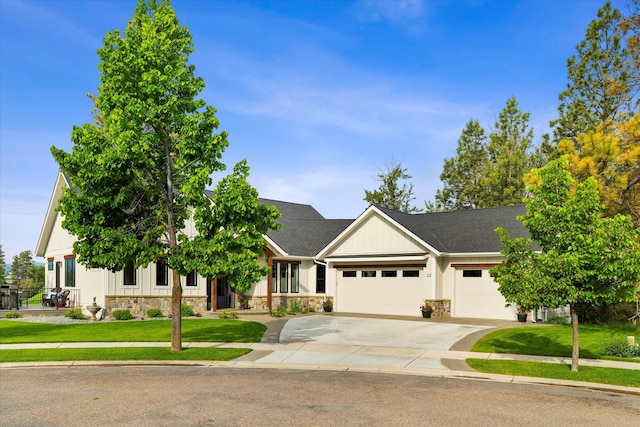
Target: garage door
379 291
477 295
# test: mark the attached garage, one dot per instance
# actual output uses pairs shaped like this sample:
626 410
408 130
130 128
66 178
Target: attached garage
396 290
477 295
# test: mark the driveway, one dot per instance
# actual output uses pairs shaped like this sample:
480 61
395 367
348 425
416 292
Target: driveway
339 330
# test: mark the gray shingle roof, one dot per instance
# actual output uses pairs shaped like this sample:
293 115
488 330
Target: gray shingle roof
304 231
307 237
463 231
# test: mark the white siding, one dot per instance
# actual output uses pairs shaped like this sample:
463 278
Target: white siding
376 236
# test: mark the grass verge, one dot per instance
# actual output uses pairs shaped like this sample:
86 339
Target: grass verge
122 353
556 340
193 330
611 376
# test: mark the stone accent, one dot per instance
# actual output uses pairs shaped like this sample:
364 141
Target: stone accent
139 304
260 302
441 307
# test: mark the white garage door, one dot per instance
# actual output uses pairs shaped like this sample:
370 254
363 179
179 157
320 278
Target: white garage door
477 295
379 291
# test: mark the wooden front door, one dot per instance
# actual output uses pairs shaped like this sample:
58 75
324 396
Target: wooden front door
224 294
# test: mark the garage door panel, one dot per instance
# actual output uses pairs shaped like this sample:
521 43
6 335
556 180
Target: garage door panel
479 297
379 295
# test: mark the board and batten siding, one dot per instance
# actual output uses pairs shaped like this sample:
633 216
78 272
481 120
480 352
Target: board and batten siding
376 236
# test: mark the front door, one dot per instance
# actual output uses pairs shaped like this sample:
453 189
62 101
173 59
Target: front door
58 268
224 294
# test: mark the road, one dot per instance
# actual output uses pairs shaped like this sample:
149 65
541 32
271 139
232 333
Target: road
200 396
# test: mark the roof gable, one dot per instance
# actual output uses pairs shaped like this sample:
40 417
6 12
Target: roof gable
50 217
376 234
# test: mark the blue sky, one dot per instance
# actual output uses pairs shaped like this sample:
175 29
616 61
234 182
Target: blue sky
318 95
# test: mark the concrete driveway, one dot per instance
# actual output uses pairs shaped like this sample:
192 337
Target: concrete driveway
339 330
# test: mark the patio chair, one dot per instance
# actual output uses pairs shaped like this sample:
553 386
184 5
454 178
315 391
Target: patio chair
49 298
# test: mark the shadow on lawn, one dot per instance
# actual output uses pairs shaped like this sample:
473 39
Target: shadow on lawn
539 345
233 331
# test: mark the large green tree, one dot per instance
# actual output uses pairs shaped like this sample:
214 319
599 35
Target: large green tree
139 172
395 190
584 258
603 78
462 175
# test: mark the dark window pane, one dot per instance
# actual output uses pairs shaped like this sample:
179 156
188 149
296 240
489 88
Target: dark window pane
411 273
349 273
471 273
130 274
321 273
389 273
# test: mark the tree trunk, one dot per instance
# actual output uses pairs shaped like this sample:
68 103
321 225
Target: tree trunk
176 313
575 352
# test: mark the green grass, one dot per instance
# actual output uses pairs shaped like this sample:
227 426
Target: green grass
128 353
193 330
556 340
611 376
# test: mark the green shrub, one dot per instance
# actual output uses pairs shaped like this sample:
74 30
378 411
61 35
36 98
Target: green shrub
122 315
228 315
557 320
280 312
74 313
621 349
12 315
294 307
186 310
154 313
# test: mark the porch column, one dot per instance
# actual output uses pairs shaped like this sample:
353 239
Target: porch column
269 280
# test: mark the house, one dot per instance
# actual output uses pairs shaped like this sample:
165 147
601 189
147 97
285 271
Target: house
383 262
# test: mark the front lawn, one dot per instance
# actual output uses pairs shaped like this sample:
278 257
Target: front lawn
611 376
556 340
193 330
120 353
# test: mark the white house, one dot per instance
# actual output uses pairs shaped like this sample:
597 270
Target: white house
384 262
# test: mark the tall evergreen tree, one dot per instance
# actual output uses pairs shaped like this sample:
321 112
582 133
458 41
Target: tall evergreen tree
395 190
21 267
462 175
139 172
509 157
603 78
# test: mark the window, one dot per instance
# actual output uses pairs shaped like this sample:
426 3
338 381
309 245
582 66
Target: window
50 264
321 273
471 273
389 273
284 276
410 273
349 273
162 272
192 279
70 271
274 277
295 278
129 274
368 273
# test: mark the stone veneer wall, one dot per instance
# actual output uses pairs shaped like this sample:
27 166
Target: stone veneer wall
441 307
260 302
139 304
